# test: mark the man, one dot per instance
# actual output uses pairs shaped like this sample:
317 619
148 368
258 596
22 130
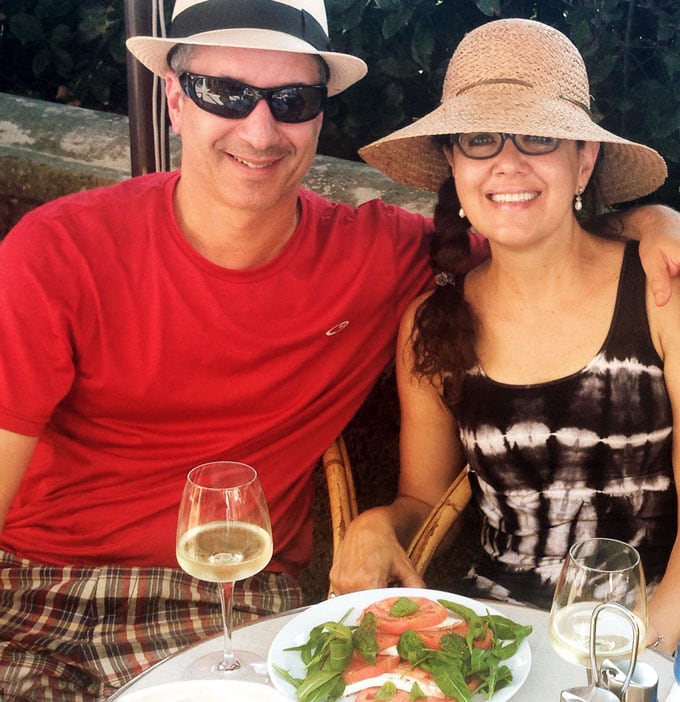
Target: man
175 319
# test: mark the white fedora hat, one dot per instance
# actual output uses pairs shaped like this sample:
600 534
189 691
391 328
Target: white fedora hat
522 77
298 26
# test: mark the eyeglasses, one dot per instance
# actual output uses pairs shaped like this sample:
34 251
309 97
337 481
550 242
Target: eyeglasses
482 145
229 98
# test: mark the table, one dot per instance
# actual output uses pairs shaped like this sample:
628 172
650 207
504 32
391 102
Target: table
549 673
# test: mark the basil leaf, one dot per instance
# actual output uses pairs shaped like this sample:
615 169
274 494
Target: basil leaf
411 647
403 607
387 691
364 637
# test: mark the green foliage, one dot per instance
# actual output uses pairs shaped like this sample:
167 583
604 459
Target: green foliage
73 51
65 50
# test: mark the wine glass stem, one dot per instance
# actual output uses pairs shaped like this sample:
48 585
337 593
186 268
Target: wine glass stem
229 660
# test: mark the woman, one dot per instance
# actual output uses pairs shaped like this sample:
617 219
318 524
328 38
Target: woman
548 369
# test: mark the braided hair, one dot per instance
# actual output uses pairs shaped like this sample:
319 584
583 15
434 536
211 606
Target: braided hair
444 329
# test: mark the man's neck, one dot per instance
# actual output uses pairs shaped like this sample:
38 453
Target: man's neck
238 239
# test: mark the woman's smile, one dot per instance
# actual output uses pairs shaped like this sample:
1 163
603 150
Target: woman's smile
513 197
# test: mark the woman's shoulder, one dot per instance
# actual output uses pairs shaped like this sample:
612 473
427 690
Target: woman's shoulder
410 311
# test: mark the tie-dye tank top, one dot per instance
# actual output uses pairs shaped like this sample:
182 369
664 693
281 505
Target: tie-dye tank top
586 455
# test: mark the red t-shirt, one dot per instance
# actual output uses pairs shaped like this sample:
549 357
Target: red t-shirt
134 358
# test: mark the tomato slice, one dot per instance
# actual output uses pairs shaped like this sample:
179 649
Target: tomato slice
360 669
428 614
485 643
432 637
385 640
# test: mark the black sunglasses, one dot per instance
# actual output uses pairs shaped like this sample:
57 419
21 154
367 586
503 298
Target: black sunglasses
229 98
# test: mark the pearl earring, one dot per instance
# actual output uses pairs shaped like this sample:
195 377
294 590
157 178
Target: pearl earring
578 200
461 213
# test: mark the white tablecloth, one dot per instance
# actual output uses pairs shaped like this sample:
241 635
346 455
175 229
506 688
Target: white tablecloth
549 673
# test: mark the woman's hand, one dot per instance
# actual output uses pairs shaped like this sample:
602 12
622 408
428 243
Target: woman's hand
371 556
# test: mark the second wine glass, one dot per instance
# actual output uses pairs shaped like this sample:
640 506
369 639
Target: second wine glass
596 571
224 535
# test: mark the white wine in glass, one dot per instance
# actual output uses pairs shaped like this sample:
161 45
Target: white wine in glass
596 571
224 535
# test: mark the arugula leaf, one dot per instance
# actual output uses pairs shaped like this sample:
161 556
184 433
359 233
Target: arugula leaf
466 613
507 635
331 645
326 655
493 678
320 685
295 682
476 624
455 644
504 628
339 653
452 682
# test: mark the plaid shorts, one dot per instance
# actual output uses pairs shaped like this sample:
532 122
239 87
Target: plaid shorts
78 633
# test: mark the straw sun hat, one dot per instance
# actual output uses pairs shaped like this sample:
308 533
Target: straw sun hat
521 77
298 26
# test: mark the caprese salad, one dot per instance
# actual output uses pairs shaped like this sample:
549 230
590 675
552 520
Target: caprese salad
405 649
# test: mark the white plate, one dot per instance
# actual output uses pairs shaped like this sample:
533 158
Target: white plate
206 691
296 632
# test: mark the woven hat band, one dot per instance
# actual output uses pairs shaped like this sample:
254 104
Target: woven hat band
214 15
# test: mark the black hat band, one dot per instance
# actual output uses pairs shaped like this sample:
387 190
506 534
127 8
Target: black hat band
213 15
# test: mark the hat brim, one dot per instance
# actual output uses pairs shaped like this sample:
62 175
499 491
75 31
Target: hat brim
411 156
152 52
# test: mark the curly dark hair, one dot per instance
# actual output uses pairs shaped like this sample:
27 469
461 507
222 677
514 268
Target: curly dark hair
444 331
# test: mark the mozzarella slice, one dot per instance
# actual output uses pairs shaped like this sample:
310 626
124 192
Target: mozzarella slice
402 681
449 621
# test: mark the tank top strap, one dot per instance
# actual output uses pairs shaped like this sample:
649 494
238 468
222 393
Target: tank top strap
630 324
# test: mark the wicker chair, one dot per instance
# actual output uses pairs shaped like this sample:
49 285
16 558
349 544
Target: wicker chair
343 506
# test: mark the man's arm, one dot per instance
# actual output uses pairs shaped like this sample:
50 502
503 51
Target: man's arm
657 228
664 616
15 453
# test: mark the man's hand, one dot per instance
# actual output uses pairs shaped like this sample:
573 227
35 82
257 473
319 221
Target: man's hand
658 229
661 262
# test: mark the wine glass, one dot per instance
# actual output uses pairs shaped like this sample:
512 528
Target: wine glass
224 535
598 571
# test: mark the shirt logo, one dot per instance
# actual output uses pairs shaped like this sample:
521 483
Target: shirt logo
337 328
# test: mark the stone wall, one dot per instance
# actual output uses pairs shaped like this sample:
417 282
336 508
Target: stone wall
49 150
